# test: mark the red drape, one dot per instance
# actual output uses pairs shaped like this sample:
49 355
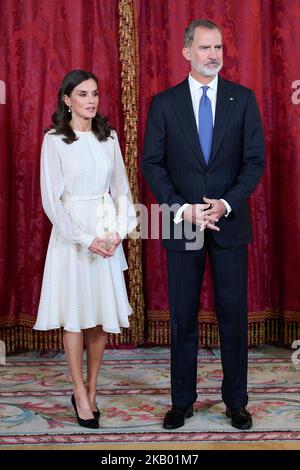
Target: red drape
260 40
40 42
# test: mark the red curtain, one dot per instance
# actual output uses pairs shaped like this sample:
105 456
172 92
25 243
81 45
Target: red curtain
40 41
260 40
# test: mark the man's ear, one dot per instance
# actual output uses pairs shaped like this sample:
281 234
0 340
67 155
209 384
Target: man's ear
186 53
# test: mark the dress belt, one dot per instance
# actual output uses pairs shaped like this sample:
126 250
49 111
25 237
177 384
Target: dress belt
106 212
85 197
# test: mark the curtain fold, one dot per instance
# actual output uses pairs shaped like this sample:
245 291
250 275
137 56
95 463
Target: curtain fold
129 72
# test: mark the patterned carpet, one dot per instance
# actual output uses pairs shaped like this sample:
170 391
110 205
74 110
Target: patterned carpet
134 394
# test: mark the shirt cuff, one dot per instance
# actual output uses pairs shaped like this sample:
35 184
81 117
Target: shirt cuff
228 208
178 217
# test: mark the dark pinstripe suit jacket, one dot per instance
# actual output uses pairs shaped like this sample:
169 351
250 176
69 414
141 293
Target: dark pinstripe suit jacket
174 166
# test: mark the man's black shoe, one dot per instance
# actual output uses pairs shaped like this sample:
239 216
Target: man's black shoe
240 417
176 416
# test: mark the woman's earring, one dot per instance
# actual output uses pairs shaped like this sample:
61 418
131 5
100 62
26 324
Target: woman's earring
70 109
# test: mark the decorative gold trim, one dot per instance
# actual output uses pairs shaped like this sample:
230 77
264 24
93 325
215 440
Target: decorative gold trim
128 47
210 316
270 330
25 338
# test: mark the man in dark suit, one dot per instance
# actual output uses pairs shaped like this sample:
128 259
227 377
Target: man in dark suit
203 157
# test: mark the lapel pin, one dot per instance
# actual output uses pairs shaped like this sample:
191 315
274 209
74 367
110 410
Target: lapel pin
231 99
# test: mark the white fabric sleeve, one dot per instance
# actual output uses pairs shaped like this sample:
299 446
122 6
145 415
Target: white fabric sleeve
228 208
121 194
178 217
52 188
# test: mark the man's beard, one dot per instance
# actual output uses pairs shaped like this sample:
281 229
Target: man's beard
205 71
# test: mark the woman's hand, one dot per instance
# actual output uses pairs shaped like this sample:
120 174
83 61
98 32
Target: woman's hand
116 241
98 246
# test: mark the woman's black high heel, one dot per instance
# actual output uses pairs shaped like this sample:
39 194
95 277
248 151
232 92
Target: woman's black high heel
96 413
86 423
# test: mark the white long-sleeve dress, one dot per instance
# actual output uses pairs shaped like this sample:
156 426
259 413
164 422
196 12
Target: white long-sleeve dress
85 192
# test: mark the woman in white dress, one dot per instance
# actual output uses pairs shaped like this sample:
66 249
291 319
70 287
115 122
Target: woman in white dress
85 194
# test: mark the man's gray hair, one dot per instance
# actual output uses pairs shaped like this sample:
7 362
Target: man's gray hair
189 33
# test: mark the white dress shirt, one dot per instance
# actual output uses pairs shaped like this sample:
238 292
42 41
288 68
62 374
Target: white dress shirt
196 93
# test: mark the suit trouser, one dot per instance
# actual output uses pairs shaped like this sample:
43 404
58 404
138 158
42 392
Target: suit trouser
185 276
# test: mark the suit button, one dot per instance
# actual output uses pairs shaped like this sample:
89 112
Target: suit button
207 172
